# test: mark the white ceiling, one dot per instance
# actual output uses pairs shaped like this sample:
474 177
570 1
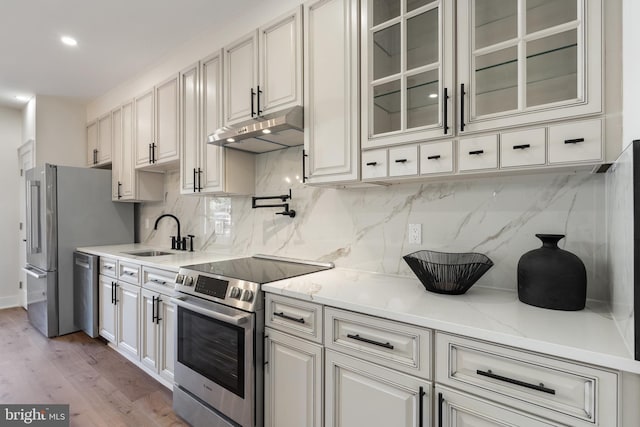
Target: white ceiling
117 39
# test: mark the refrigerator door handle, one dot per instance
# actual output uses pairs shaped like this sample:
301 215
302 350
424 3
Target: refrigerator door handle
34 228
34 273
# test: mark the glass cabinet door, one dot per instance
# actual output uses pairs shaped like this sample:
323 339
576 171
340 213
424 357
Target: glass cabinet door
407 65
518 57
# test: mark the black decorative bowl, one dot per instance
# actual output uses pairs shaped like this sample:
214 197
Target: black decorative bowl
446 273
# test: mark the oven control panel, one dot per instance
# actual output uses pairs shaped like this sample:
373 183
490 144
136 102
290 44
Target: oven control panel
236 293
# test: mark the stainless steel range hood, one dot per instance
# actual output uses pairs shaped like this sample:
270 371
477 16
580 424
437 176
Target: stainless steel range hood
267 133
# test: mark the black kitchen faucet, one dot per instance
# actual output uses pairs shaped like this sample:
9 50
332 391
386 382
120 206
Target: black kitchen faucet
177 242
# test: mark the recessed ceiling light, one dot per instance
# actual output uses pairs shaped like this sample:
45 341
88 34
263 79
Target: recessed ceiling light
69 41
266 130
433 95
231 140
23 98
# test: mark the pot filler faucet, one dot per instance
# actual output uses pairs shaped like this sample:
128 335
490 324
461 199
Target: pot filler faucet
177 242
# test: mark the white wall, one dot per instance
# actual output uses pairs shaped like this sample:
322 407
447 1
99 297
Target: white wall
631 71
60 126
10 140
261 13
29 121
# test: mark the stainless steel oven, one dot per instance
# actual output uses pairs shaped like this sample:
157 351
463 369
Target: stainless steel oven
219 359
219 338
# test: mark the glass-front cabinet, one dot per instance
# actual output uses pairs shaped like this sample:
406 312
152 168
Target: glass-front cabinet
512 63
407 70
527 61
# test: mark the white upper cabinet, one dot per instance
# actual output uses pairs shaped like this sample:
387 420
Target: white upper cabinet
407 71
527 61
207 168
156 126
331 136
263 70
99 141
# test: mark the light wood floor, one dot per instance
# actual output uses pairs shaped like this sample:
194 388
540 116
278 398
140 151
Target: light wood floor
101 387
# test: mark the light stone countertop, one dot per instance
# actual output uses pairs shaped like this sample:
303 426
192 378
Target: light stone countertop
589 336
167 262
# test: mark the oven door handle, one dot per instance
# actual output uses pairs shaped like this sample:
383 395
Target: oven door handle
234 320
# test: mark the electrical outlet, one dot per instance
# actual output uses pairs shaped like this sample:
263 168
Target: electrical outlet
415 234
219 227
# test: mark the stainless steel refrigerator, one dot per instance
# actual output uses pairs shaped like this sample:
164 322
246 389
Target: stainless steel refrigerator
67 207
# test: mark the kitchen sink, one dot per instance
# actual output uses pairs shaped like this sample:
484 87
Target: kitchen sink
148 253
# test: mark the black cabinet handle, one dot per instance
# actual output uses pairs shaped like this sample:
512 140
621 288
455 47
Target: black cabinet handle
95 156
158 318
115 293
253 94
440 404
195 187
521 147
537 387
119 193
113 298
258 96
372 163
436 157
476 152
199 180
445 110
357 337
304 173
401 160
573 141
153 309
462 94
153 151
150 155
421 394
286 316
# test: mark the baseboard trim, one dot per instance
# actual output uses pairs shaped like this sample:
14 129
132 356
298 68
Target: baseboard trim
10 302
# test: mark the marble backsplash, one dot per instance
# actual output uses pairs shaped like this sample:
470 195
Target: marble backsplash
620 245
367 228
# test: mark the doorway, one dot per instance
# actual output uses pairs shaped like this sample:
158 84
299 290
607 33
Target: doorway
26 160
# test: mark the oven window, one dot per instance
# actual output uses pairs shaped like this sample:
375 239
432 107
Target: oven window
212 348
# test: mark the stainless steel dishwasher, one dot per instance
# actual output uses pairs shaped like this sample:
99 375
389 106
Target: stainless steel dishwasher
85 292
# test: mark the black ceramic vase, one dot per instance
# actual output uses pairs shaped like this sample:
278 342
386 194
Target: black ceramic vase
550 277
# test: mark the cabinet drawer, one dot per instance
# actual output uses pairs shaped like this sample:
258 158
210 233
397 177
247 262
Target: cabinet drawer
374 164
299 318
403 161
158 280
576 393
575 142
392 344
108 267
436 158
129 272
478 153
523 148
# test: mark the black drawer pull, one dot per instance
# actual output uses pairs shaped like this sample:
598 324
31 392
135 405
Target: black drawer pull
401 161
540 387
476 152
372 163
436 157
284 316
573 141
381 344
521 147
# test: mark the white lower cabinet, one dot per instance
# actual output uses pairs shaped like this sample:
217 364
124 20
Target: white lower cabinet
138 318
107 316
157 333
128 314
119 315
359 393
456 409
293 381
